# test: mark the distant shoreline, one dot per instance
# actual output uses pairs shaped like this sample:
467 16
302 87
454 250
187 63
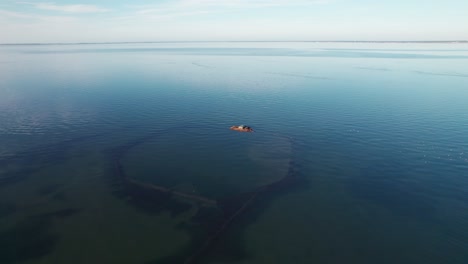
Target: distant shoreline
242 41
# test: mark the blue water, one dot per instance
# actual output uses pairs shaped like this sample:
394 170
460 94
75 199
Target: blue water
374 135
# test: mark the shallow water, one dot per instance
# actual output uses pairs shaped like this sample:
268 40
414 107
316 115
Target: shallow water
375 136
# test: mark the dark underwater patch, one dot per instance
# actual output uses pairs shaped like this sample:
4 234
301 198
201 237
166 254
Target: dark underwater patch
49 189
60 213
216 230
7 209
154 202
27 240
23 164
59 196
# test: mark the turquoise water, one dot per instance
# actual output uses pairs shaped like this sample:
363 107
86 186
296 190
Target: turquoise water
122 153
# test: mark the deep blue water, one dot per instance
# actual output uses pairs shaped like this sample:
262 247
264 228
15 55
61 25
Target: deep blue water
372 139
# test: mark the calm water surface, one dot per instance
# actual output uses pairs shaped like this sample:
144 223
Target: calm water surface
372 139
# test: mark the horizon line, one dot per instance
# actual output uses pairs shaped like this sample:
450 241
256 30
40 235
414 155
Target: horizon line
235 41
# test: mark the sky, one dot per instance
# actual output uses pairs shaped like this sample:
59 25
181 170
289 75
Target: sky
69 21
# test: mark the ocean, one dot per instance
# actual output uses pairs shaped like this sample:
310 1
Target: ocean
122 153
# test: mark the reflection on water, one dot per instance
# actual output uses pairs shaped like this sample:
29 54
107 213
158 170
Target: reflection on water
123 153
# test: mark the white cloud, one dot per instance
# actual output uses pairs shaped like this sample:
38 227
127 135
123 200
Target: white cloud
68 8
214 6
251 2
248 3
11 16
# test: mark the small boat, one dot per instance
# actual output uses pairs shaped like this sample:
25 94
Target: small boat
242 128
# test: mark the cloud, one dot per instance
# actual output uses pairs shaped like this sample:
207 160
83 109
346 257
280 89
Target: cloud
248 3
11 16
222 5
68 8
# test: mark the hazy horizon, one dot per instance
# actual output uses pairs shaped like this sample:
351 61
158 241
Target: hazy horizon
241 41
68 21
